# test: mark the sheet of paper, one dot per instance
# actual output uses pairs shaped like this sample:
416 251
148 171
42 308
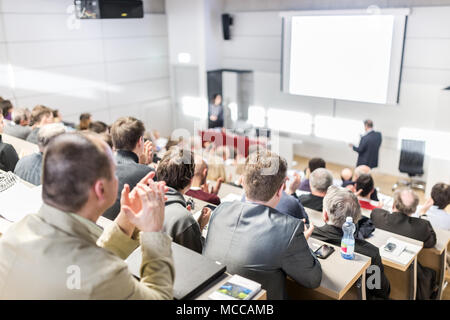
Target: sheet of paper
19 201
231 197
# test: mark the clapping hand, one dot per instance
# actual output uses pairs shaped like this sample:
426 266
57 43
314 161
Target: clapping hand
295 183
147 156
204 217
151 216
308 231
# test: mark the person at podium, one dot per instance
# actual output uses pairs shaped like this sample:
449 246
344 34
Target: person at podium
215 112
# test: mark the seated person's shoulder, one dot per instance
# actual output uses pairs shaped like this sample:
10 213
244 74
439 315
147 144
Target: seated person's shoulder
378 212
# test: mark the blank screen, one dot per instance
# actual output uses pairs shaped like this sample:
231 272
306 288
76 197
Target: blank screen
341 57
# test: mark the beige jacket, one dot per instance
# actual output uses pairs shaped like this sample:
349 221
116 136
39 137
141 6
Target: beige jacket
58 255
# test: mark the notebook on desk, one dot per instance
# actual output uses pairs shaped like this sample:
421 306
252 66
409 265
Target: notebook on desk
193 272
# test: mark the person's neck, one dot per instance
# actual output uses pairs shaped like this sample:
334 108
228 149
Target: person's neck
318 194
197 182
89 213
271 203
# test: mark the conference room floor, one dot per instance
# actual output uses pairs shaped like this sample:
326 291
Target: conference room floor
382 181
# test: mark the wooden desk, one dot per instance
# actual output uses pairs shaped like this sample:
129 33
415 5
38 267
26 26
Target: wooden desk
339 277
23 147
403 277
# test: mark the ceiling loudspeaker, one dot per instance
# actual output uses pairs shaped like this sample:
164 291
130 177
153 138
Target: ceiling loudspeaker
227 21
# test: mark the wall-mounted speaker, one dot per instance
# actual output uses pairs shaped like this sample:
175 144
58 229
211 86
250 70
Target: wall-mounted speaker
227 21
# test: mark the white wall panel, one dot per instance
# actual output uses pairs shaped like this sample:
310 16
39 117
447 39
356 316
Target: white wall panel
139 91
135 70
431 53
150 25
429 22
55 53
35 6
127 49
38 27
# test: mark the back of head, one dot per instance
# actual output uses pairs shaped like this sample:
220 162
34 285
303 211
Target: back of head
72 163
6 107
85 120
126 132
365 183
320 179
98 127
405 201
49 131
200 166
440 193
20 115
176 168
264 173
346 174
39 112
368 123
340 203
359 170
316 163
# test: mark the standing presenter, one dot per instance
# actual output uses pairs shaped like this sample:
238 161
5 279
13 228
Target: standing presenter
369 146
215 112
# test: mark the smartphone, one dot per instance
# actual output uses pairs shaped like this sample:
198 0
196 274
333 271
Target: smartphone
212 207
390 247
324 251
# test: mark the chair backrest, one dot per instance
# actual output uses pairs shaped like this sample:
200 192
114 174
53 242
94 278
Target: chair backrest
411 157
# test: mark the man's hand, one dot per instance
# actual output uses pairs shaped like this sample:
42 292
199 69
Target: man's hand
151 217
428 204
351 145
216 188
213 118
122 221
308 231
147 156
295 183
204 217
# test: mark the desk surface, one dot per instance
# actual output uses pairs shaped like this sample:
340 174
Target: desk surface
339 274
23 147
226 189
378 239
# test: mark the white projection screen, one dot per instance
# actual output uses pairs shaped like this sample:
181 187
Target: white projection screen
346 55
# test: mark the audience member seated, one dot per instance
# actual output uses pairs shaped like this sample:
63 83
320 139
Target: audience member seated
40 253
434 208
176 169
40 116
338 204
199 186
133 156
29 168
6 109
98 127
8 155
364 189
20 126
319 181
291 205
256 241
359 170
346 177
85 121
216 168
57 118
401 222
313 164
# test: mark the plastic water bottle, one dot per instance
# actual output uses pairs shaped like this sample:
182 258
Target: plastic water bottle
348 240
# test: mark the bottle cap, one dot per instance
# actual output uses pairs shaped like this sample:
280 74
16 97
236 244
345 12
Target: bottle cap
349 219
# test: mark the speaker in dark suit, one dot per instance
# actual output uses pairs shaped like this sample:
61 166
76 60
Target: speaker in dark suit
368 146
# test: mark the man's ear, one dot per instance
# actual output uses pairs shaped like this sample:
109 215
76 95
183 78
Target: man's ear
280 189
205 172
99 189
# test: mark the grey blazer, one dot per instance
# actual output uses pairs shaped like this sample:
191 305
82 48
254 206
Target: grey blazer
262 244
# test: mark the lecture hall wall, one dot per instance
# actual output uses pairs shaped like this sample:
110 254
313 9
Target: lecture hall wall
109 68
256 45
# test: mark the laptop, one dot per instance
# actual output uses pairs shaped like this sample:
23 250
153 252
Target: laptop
193 272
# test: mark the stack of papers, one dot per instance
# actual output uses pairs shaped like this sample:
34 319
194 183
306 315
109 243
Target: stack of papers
19 201
403 252
231 197
237 288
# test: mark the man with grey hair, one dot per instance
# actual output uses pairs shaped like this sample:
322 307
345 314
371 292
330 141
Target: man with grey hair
29 168
319 181
20 126
338 204
401 222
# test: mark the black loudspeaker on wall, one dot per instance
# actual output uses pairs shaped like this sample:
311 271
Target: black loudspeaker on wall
227 21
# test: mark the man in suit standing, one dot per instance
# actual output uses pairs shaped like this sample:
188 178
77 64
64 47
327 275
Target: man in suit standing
368 146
